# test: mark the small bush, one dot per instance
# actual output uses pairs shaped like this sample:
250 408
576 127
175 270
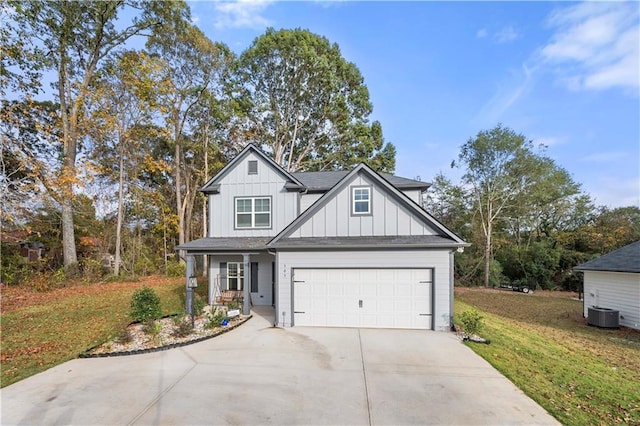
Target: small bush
198 305
124 336
471 321
92 269
183 328
152 327
234 304
145 305
215 320
176 269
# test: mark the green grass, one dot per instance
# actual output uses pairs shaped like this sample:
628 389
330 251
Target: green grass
47 332
580 374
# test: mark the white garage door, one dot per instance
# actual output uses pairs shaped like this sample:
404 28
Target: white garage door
383 298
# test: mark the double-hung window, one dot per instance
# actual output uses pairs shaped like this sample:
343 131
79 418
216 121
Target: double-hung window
235 275
253 212
361 200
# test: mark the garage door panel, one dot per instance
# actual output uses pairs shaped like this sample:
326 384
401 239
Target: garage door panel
385 298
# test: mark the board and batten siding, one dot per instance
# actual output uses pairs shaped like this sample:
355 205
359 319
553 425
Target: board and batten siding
438 259
306 200
388 218
414 194
239 183
614 290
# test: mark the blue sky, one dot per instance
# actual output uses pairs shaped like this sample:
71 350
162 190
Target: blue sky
563 74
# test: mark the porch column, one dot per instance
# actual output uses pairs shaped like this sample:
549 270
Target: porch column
246 307
189 298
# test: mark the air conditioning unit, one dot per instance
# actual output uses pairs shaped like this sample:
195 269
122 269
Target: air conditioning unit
603 317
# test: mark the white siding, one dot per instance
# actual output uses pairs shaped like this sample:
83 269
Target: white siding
414 194
307 199
388 218
436 259
614 290
238 182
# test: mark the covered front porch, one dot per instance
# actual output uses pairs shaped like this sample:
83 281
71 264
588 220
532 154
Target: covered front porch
237 269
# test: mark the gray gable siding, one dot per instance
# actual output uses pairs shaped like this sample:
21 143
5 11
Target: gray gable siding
237 182
388 218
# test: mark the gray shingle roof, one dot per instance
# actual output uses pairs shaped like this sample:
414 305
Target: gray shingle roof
323 181
225 244
354 242
625 259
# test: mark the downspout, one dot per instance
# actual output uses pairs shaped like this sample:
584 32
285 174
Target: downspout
276 300
451 289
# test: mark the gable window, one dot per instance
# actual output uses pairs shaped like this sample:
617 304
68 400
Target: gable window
361 200
235 275
253 167
253 212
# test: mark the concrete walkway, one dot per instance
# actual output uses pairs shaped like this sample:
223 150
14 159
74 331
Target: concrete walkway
258 374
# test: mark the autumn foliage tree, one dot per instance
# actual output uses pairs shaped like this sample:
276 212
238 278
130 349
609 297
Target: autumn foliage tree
192 68
72 38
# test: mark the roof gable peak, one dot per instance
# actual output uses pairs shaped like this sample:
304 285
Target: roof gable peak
212 184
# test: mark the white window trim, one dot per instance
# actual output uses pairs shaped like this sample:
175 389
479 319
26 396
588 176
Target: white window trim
239 276
353 200
252 212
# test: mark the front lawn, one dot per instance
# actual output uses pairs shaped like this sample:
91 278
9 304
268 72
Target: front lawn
41 330
580 374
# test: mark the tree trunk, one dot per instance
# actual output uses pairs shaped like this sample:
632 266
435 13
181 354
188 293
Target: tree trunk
487 256
178 184
205 219
69 255
68 235
116 270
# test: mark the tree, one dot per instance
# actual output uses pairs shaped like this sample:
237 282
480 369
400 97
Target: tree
307 105
122 106
501 168
72 39
193 67
30 145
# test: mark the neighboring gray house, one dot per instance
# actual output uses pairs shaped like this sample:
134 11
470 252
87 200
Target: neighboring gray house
613 281
345 249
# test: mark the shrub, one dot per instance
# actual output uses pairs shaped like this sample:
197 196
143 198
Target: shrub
183 328
124 336
145 305
234 304
215 320
471 321
92 269
14 269
198 305
176 269
152 327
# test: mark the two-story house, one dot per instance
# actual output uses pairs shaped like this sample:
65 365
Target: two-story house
345 249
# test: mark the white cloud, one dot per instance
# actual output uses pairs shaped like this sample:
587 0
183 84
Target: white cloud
618 192
506 34
506 96
595 45
241 14
605 157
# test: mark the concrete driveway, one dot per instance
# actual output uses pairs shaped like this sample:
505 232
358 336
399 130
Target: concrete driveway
258 374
